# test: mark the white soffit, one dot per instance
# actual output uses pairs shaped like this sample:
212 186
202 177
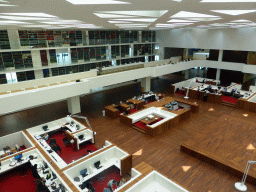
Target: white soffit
139 19
29 14
234 12
144 13
93 2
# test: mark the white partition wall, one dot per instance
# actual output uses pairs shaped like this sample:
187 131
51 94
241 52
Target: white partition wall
107 159
155 182
18 138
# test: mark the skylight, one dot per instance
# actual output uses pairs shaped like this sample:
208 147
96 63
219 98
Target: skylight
139 19
234 12
111 16
151 13
90 2
180 21
227 1
6 5
186 14
203 19
29 14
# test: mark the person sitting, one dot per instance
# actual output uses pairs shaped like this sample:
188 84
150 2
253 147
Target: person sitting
121 182
111 183
46 136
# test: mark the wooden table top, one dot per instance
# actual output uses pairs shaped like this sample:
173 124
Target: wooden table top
155 118
125 105
168 100
112 107
135 101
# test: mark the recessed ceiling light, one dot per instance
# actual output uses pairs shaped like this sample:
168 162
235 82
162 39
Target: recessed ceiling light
24 18
234 12
180 21
151 13
56 22
119 22
29 14
89 2
139 19
186 14
111 16
227 1
241 20
203 19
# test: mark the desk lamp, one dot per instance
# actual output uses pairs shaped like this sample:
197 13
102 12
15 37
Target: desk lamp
240 185
193 80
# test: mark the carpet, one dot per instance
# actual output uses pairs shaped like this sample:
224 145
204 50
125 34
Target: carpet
140 125
133 110
180 92
229 99
112 173
68 154
17 180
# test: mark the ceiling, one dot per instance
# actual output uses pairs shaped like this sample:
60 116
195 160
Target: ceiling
126 14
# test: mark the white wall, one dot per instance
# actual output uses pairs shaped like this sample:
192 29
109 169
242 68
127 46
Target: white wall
226 39
49 80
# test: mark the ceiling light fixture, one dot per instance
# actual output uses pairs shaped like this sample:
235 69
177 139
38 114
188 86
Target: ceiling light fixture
119 22
180 21
7 5
56 22
89 2
139 19
186 14
234 12
151 13
29 14
111 16
227 1
25 18
241 20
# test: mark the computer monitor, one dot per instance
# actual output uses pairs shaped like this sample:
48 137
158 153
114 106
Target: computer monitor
80 137
83 172
18 157
45 127
97 164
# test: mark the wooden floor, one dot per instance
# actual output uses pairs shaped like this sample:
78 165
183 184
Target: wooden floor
162 152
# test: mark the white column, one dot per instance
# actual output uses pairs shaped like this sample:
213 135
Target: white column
39 74
187 74
146 84
218 74
14 40
74 105
140 36
220 55
36 58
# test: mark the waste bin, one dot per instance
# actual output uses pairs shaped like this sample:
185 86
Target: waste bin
103 113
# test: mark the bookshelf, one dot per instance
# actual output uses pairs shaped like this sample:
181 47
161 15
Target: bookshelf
25 76
4 40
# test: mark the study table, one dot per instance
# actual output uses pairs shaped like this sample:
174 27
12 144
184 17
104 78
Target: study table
137 103
94 171
86 137
151 120
111 111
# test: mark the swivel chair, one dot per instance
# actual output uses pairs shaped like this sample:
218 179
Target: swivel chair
66 141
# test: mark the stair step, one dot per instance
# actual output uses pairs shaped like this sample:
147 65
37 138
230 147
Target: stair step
141 130
228 104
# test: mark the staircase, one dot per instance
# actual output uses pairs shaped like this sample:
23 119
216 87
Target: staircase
228 104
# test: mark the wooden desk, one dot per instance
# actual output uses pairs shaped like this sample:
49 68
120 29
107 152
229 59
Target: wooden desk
138 103
111 111
155 118
125 107
194 107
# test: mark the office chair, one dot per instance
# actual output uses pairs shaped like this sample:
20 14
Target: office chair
77 127
58 149
52 142
66 141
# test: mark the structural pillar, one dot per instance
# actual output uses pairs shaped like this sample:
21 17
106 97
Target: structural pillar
146 84
218 74
220 55
187 74
74 105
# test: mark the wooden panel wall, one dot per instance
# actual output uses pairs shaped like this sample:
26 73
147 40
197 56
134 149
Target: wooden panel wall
126 165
